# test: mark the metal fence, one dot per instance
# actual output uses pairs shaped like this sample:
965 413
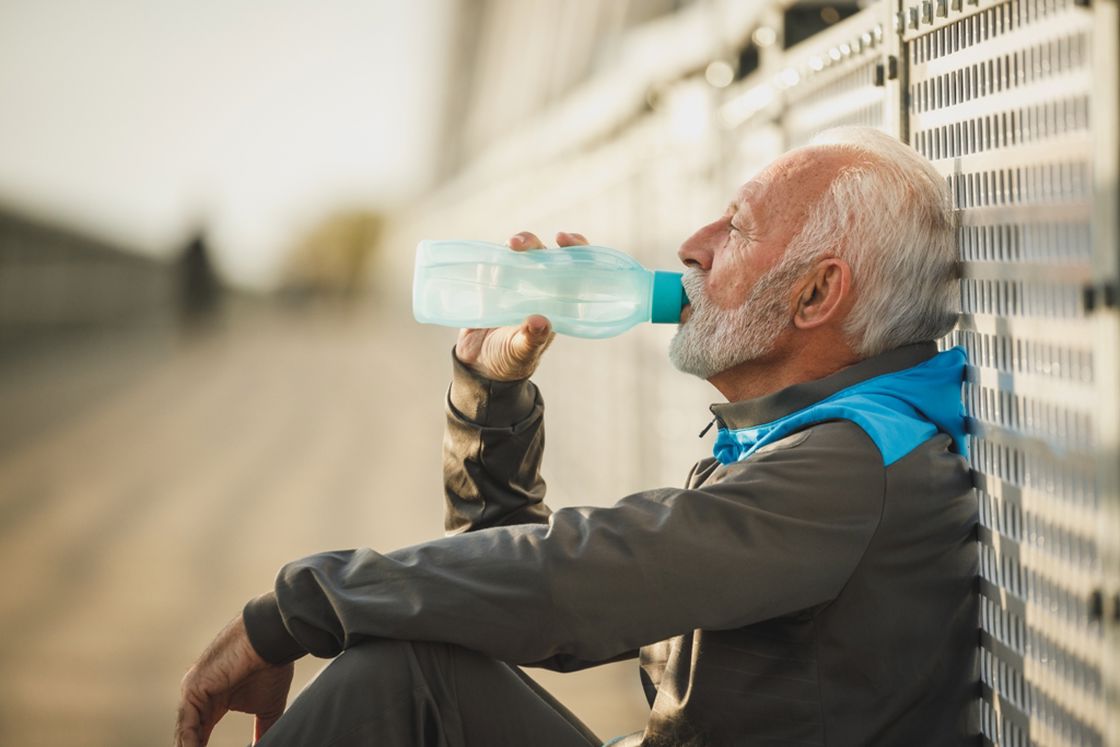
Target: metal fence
1001 97
1015 103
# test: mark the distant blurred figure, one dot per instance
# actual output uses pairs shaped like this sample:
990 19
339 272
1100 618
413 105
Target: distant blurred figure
201 288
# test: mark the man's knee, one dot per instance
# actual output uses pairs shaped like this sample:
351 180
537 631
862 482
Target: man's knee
387 664
371 692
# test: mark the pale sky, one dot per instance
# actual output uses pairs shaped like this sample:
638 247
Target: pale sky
133 120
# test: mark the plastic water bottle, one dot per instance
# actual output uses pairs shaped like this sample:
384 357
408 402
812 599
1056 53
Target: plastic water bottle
585 291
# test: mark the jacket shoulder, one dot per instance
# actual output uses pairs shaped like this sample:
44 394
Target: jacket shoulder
832 468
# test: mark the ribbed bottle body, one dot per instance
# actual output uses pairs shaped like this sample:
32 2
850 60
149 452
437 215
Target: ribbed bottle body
585 291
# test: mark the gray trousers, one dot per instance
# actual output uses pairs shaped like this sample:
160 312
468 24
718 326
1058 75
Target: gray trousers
407 694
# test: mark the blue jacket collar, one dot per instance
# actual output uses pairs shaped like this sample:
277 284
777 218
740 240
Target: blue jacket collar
900 399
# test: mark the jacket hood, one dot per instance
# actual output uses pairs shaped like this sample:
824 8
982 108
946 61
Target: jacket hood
897 410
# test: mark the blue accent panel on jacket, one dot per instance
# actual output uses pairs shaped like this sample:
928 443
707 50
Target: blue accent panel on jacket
898 411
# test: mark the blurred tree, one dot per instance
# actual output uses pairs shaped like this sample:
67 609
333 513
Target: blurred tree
332 260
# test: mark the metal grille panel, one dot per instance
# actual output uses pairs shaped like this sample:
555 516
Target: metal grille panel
830 79
999 100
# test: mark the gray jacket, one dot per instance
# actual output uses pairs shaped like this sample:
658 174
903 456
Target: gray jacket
808 595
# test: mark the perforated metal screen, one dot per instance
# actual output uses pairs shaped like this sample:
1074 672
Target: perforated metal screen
999 99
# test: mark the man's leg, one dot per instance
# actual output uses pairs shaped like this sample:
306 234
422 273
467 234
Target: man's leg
406 694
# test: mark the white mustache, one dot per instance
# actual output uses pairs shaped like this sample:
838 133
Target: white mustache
693 282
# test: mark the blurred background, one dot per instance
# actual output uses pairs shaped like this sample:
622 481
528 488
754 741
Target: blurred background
208 364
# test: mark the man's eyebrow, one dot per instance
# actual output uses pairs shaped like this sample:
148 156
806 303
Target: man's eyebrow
742 208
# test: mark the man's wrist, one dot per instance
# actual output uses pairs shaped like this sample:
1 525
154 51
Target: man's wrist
267 633
487 402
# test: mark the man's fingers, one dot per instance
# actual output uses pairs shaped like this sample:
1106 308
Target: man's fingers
568 238
524 240
198 715
527 240
187 725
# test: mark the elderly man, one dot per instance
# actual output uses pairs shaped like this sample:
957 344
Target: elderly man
812 584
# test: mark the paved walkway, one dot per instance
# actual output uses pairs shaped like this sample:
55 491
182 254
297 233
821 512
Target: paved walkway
146 494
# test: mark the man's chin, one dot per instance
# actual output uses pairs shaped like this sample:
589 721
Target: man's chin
684 359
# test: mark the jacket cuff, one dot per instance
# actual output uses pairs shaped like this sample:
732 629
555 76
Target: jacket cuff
267 633
487 402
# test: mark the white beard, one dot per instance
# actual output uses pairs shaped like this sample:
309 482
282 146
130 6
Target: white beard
713 340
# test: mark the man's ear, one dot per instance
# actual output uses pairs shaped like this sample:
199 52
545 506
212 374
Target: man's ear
825 294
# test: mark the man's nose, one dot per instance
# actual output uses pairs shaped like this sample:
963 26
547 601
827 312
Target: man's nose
697 249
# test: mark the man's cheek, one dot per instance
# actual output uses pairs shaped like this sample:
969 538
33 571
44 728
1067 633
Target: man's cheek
727 296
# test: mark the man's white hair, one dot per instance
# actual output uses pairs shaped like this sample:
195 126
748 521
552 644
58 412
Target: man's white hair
889 215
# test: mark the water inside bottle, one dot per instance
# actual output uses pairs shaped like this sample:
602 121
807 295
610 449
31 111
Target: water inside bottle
469 292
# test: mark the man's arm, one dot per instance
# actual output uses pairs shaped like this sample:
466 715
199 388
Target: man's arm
492 449
494 437
766 538
230 674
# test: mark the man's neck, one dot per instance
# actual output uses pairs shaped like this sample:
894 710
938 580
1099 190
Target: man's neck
782 368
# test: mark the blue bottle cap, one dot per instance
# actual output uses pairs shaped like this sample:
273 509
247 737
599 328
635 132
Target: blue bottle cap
668 297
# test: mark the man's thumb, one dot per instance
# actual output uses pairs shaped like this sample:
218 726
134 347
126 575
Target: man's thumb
534 333
538 326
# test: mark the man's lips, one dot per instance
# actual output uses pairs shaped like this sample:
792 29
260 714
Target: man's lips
686 312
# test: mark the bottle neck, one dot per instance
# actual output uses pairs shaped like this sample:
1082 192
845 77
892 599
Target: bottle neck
667 297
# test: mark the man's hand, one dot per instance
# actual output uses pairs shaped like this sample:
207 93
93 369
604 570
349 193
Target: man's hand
512 353
230 675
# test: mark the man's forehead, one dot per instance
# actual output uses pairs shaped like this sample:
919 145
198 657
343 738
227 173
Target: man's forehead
811 166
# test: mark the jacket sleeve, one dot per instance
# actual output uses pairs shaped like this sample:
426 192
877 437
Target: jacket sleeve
492 450
778 534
